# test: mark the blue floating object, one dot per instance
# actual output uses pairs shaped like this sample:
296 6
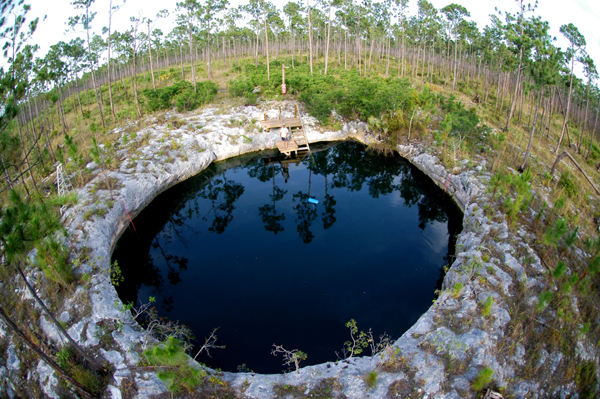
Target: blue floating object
313 201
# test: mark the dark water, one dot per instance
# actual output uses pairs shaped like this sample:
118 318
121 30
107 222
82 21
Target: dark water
240 248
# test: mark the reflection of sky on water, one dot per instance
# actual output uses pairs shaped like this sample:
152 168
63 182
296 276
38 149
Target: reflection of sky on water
242 249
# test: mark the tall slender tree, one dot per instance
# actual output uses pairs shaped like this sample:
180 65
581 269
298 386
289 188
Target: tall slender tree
455 14
543 69
85 20
111 11
187 19
574 52
516 34
208 12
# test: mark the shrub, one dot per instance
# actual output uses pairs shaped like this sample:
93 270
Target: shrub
483 379
240 87
180 94
555 233
486 310
371 379
53 258
566 182
457 290
175 372
543 301
587 380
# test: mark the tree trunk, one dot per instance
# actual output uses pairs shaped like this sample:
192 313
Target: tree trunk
310 49
190 38
592 132
328 33
110 98
535 118
26 156
135 90
267 42
150 57
564 127
98 102
54 321
181 59
566 153
587 104
208 53
455 58
44 357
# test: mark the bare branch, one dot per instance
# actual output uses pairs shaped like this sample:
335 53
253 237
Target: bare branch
209 343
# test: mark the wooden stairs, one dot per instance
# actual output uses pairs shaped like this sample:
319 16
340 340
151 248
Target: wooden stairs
298 141
299 137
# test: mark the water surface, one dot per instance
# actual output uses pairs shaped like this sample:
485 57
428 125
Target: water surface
239 247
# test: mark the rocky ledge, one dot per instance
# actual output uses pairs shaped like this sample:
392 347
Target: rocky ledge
462 333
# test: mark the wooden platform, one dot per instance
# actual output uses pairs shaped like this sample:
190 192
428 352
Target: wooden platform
276 123
287 147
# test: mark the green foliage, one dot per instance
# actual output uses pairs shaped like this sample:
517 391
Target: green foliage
457 290
594 265
496 140
559 270
353 96
566 182
176 372
483 379
512 207
570 283
371 379
520 185
116 276
240 87
70 361
571 237
555 233
543 301
23 224
290 357
180 94
189 99
559 205
75 160
486 310
458 119
346 92
53 259
100 154
586 380
358 341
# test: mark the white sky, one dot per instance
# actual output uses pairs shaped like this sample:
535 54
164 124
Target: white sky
585 14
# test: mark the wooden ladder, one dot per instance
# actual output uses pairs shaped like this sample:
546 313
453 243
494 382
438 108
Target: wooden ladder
299 136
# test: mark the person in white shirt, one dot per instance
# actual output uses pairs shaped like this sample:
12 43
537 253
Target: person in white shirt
284 134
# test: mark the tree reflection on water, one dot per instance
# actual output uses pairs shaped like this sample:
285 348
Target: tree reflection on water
250 218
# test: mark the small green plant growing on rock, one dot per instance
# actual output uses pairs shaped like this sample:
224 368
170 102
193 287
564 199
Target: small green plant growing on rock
543 301
294 356
53 258
587 380
555 233
457 290
176 372
486 310
483 379
371 379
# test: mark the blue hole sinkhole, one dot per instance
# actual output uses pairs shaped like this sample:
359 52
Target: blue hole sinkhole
240 247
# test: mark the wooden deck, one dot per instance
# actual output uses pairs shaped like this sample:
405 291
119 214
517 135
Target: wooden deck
298 141
276 123
287 147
